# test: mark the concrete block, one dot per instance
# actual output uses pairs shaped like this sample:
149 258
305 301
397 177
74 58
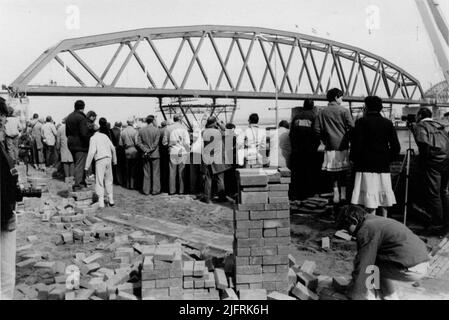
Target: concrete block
148 263
303 293
229 294
269 269
246 270
199 268
248 278
278 194
248 180
255 233
270 260
263 251
342 234
286 180
242 252
283 232
278 187
262 215
278 200
93 258
285 172
253 294
249 207
242 233
250 242
188 267
255 260
241 261
325 243
255 189
253 197
308 267
221 281
249 224
308 280
241 215
269 233
279 296
277 206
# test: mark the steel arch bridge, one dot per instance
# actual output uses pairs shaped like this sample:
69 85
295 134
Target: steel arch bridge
214 62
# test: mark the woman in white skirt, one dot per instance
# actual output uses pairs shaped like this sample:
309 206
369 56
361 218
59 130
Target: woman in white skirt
333 126
374 145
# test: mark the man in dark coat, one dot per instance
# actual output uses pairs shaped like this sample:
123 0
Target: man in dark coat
148 142
115 138
304 161
386 250
9 196
214 164
78 136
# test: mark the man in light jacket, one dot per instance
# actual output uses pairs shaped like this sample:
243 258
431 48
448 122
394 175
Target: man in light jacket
49 134
12 132
102 151
177 138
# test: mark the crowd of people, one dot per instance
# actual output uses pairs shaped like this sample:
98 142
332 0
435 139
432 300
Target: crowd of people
153 159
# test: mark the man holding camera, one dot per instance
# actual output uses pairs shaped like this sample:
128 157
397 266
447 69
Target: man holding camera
433 145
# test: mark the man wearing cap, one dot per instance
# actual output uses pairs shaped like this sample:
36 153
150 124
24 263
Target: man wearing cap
148 142
128 140
177 139
102 151
77 132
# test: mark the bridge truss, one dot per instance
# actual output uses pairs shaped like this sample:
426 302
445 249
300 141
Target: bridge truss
216 62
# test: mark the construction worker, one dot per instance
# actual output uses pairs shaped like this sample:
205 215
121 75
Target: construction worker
128 140
386 250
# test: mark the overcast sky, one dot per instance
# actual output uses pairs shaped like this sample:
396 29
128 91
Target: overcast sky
31 26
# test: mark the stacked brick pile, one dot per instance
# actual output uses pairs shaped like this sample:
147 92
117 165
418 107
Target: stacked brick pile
262 231
198 282
162 272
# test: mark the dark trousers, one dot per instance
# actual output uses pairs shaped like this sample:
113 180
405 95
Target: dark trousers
209 177
436 184
230 182
305 171
164 165
69 169
151 176
117 171
79 158
130 176
49 155
176 175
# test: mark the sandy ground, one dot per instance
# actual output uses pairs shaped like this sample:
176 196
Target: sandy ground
307 230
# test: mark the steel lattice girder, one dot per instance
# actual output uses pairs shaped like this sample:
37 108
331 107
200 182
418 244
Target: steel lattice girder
399 86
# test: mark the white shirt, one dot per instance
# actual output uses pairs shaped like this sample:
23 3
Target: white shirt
177 138
49 133
100 147
12 127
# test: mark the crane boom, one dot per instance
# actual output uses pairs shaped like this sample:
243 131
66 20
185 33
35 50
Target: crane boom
438 46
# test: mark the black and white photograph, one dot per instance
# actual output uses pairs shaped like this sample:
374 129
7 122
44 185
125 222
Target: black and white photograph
205 150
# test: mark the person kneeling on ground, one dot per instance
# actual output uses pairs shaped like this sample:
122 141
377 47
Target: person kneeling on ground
102 150
385 244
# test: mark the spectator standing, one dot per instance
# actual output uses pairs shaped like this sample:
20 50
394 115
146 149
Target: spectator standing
305 164
77 132
38 146
128 140
12 133
433 145
117 171
214 166
333 126
9 193
63 150
148 142
252 144
102 151
230 159
165 161
285 148
374 145
177 139
49 133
